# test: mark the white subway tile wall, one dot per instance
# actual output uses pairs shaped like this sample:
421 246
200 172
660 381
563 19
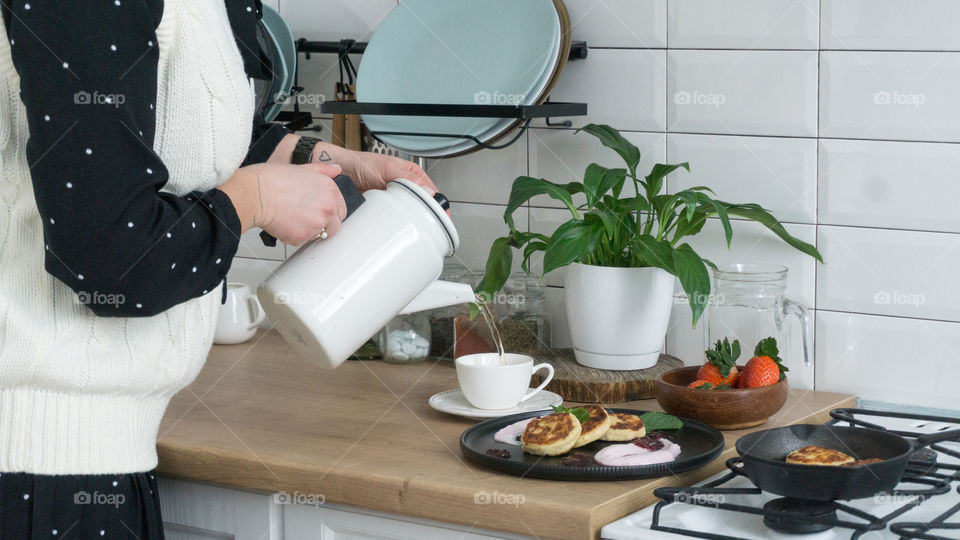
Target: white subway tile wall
837 115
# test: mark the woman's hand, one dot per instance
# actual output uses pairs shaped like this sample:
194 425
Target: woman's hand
294 203
372 171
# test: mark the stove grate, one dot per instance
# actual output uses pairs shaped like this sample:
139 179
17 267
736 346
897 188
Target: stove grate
924 477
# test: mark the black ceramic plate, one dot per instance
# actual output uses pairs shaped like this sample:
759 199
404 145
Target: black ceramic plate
699 444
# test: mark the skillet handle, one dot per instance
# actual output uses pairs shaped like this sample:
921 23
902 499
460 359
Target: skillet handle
934 438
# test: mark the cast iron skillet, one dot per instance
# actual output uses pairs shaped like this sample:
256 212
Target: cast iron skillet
762 454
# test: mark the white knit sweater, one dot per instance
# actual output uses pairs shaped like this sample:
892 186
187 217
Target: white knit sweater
81 394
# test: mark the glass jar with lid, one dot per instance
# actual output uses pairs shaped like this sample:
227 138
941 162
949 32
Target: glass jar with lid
521 313
406 339
519 310
442 326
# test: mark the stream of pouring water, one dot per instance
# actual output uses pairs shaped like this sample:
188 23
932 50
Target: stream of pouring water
494 330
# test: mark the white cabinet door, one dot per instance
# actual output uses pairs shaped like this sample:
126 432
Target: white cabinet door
203 512
332 522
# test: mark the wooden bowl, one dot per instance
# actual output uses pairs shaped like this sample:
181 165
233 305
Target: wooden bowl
733 408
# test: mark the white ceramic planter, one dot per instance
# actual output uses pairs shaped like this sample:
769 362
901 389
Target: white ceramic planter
618 316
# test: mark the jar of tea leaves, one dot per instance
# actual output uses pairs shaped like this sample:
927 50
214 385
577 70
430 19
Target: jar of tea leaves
521 313
442 330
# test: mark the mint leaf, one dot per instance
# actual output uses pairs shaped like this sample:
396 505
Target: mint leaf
582 414
658 421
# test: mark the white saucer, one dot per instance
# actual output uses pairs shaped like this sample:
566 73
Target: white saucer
454 402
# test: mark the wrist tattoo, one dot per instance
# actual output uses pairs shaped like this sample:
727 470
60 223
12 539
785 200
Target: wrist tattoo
324 156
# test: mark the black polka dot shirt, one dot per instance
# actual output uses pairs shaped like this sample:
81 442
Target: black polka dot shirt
96 177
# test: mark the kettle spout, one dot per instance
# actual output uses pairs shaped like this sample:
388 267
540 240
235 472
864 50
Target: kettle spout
440 294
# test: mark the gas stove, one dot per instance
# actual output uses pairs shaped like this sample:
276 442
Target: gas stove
926 503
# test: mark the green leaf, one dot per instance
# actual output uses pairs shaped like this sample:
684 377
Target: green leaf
653 252
767 347
724 356
756 213
705 385
598 180
687 227
499 262
654 180
691 199
529 250
526 187
610 220
694 277
665 208
611 138
721 210
634 204
658 421
571 242
582 414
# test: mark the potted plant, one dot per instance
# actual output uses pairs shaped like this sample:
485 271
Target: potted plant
623 250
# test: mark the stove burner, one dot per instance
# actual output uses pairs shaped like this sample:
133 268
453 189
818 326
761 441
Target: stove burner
926 476
923 461
814 514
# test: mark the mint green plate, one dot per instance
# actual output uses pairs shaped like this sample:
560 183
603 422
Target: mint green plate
457 52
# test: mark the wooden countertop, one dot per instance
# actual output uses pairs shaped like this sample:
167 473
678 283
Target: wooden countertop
260 417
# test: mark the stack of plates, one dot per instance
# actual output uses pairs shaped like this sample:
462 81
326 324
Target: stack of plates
497 52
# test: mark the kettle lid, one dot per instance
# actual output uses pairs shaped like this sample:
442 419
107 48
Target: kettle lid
438 205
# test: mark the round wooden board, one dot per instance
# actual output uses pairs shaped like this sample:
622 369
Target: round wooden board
588 385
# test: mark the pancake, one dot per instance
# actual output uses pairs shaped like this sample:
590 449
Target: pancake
860 462
594 428
624 427
818 455
551 435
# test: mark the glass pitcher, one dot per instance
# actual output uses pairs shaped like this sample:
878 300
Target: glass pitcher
748 304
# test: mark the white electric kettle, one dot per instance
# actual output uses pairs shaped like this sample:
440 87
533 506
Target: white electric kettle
334 294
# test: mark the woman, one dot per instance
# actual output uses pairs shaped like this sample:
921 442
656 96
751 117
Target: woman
128 173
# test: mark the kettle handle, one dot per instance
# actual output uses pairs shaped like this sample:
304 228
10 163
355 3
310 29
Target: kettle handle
351 195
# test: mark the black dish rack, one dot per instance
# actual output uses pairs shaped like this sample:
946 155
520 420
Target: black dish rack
297 120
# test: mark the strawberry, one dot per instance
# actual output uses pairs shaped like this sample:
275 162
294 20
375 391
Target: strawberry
721 365
701 384
765 368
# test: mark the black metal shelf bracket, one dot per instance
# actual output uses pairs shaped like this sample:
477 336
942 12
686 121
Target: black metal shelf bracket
578 49
518 112
524 113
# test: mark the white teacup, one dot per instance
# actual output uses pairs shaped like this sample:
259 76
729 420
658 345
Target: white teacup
488 384
239 316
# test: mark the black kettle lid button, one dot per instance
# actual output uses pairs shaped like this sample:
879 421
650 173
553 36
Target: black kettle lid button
442 200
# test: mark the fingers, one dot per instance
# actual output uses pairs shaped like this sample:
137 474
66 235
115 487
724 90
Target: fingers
328 169
341 206
417 175
332 227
